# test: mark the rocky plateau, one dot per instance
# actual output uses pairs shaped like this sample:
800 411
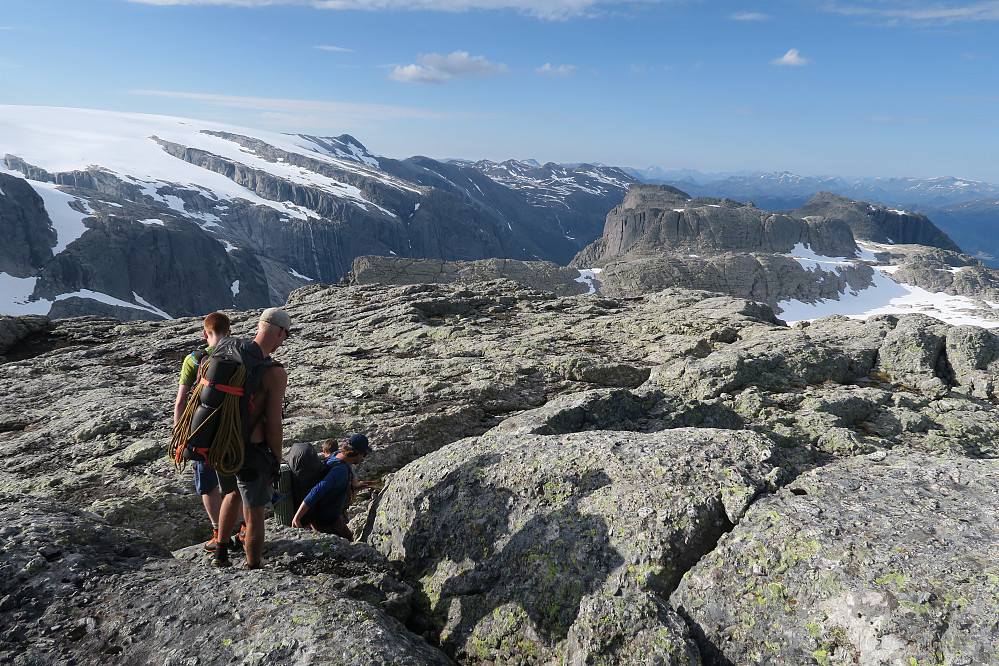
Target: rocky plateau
675 477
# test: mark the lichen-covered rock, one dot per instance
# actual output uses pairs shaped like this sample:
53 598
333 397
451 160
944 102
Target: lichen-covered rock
77 590
509 536
880 559
836 350
398 271
87 404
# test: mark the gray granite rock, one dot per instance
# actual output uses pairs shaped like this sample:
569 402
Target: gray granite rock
881 559
539 412
509 536
77 590
541 275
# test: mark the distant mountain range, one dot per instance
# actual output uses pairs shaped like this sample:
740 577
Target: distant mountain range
784 190
140 216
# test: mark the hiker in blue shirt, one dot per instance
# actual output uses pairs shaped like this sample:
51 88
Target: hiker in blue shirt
322 509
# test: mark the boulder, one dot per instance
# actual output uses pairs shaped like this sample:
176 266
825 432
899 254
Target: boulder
881 559
511 539
78 590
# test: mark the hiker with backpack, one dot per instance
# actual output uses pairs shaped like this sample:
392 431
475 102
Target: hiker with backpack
330 448
251 469
323 507
206 481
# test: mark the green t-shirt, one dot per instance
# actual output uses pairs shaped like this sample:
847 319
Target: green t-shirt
189 371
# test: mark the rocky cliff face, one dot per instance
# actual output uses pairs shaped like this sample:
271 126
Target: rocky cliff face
288 211
28 235
660 237
676 478
875 222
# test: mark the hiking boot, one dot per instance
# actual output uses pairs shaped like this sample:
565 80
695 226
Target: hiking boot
221 558
213 542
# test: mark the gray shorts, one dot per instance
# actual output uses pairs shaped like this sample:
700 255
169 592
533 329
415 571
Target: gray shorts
253 480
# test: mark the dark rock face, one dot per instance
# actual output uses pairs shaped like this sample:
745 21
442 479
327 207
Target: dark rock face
28 236
178 267
676 478
575 201
876 222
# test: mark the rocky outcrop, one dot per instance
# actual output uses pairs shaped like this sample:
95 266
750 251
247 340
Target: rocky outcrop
655 220
28 235
875 222
78 590
540 275
879 559
522 545
676 478
15 329
661 237
943 271
770 278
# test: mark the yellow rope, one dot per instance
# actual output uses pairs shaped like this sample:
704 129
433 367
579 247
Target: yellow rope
226 455
183 427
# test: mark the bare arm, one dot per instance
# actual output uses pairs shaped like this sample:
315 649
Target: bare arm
299 515
180 403
275 382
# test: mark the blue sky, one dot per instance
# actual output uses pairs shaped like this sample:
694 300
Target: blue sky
851 87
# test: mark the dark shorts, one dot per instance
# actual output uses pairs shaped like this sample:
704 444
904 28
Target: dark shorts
253 480
337 527
205 478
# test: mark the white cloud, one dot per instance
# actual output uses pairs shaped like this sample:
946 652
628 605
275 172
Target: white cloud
545 9
334 48
436 68
555 71
749 16
919 11
792 58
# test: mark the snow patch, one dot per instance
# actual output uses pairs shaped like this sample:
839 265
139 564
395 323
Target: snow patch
811 261
886 296
588 277
14 294
148 306
67 222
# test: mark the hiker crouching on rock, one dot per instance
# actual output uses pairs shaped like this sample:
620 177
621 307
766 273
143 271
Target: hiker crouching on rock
322 509
206 482
262 450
